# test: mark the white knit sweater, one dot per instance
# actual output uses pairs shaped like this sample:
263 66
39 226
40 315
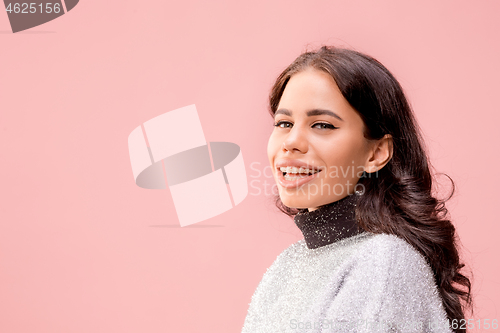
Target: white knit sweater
363 283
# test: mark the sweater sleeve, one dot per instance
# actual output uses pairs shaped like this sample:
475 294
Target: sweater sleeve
386 287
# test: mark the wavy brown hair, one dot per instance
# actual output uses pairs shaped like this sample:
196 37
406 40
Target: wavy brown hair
399 199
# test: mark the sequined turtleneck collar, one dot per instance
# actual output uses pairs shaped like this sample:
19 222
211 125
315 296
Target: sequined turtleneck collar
329 223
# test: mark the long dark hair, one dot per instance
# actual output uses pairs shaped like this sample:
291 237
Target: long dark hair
399 199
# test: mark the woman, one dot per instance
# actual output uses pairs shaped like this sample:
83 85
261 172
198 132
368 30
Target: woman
378 253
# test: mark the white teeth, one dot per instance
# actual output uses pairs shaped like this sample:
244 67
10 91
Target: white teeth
295 170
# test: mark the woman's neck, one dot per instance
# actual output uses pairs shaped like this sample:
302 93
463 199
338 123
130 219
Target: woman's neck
329 223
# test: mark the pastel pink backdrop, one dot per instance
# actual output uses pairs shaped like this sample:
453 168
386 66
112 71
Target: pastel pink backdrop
83 249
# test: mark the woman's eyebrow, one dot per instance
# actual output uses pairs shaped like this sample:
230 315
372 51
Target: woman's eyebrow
310 113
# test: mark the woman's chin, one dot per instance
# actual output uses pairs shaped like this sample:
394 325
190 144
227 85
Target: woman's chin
296 203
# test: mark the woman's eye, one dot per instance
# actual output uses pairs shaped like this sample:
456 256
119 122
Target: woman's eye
286 124
279 123
324 125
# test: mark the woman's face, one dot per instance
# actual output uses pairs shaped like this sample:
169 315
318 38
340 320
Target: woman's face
317 129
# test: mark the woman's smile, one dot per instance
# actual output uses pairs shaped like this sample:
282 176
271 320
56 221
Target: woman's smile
293 177
295 173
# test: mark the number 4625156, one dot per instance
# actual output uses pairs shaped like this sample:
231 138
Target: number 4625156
32 8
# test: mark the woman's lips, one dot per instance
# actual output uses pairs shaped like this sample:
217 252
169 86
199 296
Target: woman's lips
297 181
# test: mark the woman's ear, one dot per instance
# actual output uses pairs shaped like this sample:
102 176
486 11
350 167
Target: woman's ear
380 154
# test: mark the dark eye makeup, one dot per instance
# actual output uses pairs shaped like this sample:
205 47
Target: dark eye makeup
323 125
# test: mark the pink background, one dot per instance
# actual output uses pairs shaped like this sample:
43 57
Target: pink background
83 249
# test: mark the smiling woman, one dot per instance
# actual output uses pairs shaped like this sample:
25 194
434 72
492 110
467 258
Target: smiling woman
378 253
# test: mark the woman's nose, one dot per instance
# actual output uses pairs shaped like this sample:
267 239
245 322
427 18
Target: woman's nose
295 141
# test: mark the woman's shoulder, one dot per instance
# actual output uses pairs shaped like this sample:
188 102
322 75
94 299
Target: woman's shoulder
390 246
394 256
364 252
299 251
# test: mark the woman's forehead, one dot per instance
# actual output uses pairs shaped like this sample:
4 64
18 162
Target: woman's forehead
311 90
